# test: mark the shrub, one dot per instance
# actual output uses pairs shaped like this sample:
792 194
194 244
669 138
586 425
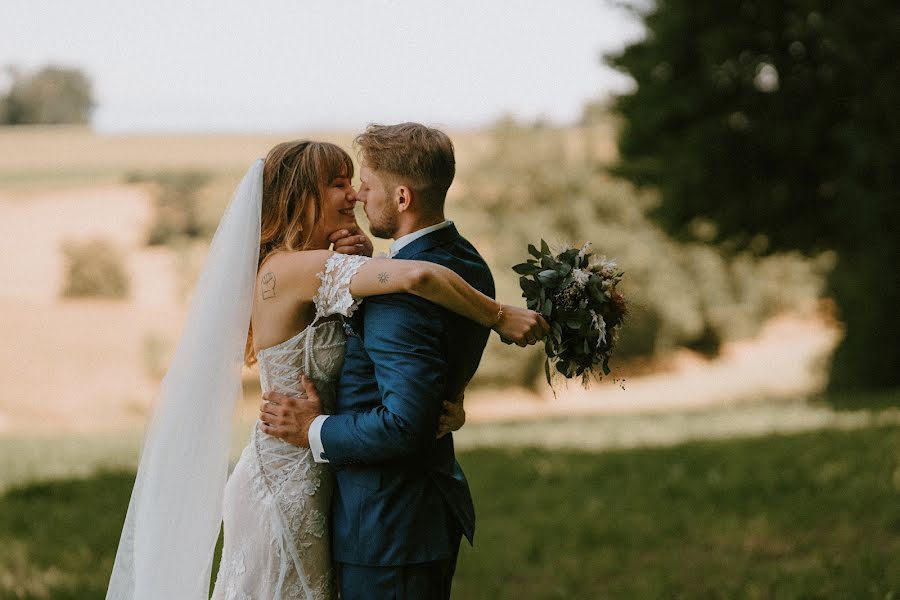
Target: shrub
95 269
177 211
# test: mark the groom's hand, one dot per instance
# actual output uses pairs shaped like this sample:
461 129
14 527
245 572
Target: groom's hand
454 416
351 240
288 417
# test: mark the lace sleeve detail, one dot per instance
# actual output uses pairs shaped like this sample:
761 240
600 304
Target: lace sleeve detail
333 296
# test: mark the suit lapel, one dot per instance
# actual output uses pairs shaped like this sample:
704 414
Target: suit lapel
427 242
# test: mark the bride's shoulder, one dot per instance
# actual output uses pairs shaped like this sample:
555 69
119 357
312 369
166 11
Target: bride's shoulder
297 259
294 266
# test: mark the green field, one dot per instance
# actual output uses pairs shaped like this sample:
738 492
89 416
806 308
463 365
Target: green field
813 515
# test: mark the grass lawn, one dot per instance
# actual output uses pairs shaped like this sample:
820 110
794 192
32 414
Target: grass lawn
812 515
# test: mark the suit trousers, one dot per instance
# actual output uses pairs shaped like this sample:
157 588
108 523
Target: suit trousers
420 581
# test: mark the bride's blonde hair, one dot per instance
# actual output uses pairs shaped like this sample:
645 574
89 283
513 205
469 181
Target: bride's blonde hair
295 177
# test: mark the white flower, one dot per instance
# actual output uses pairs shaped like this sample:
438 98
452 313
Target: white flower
600 324
606 267
581 277
584 250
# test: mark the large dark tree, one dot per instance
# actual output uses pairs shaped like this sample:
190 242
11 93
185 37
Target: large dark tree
775 124
50 96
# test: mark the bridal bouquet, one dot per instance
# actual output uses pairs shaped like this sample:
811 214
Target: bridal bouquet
575 291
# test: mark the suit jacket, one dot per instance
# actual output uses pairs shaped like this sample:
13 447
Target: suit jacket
401 496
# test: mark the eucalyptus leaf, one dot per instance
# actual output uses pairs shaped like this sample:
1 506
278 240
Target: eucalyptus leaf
529 286
526 269
596 293
547 309
569 256
548 277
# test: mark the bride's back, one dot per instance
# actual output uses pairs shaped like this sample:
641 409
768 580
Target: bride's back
276 317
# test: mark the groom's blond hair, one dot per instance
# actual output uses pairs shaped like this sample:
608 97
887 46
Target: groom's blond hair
413 155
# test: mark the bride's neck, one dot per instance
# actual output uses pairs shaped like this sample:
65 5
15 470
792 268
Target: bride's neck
318 241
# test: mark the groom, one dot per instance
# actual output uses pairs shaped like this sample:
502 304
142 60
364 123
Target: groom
401 503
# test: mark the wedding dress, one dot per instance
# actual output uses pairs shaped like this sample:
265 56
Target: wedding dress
277 499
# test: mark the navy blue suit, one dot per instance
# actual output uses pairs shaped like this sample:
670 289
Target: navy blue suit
401 498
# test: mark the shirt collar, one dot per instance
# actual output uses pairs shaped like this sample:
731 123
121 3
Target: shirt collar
407 239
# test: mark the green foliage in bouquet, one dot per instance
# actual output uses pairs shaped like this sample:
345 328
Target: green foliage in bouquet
576 292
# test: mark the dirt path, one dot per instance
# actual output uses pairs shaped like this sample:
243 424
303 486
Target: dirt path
786 360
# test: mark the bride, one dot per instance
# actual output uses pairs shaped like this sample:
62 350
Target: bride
275 505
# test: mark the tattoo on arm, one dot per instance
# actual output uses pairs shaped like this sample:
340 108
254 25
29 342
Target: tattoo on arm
268 286
383 277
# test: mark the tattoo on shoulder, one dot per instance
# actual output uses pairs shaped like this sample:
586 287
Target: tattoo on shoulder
268 286
383 277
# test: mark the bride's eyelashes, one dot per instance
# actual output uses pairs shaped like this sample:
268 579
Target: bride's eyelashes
341 182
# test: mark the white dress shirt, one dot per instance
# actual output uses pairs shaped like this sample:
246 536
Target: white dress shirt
315 429
409 238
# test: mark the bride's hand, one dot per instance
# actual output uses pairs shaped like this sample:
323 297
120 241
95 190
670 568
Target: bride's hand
351 240
521 326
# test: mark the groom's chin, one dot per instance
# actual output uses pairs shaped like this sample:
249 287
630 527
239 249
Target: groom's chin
381 234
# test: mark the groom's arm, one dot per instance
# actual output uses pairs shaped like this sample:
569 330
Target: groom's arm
404 338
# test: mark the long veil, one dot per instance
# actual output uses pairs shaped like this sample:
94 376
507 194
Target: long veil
173 519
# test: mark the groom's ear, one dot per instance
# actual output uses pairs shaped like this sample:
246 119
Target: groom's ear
403 196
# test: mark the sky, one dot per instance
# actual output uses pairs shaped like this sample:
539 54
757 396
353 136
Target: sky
280 65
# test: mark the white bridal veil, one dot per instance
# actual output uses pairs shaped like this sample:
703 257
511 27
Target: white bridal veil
173 520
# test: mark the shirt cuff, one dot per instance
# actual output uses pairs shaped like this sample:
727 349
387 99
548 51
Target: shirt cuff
315 439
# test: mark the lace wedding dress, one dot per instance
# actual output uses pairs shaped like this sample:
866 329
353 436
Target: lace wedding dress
277 500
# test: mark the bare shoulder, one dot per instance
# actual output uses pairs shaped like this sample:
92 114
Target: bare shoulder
292 271
298 259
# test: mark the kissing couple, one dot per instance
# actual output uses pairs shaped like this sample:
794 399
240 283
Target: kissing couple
349 487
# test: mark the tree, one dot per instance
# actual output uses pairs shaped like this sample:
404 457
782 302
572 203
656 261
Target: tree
775 124
51 96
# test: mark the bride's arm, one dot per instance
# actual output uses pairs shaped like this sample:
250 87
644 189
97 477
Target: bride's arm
431 281
444 287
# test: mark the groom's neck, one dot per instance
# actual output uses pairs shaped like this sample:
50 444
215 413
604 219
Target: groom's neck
418 223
